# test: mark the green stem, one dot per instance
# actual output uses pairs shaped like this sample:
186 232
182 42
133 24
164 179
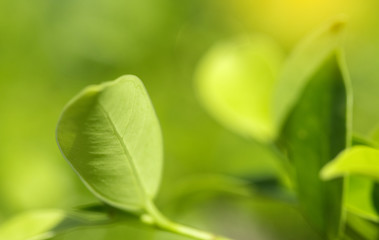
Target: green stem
155 217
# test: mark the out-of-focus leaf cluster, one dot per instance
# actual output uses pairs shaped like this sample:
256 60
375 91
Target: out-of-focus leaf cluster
51 49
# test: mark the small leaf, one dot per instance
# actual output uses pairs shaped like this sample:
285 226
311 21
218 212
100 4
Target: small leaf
359 165
359 227
235 82
358 160
44 224
313 134
358 196
361 192
301 65
110 135
31 224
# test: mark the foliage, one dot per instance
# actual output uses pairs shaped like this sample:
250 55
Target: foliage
311 115
111 137
300 109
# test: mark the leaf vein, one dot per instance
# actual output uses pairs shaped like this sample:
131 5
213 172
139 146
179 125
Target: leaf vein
126 152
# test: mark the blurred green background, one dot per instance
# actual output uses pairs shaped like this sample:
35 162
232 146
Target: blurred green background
50 50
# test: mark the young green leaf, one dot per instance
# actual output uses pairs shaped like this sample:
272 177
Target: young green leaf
301 65
313 134
235 82
36 224
359 227
358 160
358 196
361 192
110 135
44 224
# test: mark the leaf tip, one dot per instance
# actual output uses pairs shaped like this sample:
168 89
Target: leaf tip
128 77
93 89
327 173
338 25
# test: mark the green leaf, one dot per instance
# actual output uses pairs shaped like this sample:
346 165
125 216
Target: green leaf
31 224
44 224
359 227
115 231
361 192
110 135
315 131
359 196
235 83
301 65
266 187
358 160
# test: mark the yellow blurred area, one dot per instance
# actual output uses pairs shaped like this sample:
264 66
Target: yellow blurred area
289 20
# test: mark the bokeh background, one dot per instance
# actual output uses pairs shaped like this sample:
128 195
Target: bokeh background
50 50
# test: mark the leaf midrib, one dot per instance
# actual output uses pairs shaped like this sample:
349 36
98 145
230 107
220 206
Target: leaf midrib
126 153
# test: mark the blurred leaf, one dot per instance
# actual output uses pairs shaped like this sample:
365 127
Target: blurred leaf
94 207
235 82
301 65
267 187
359 196
271 188
44 224
360 165
359 227
358 160
315 131
116 215
361 192
115 231
110 135
31 224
